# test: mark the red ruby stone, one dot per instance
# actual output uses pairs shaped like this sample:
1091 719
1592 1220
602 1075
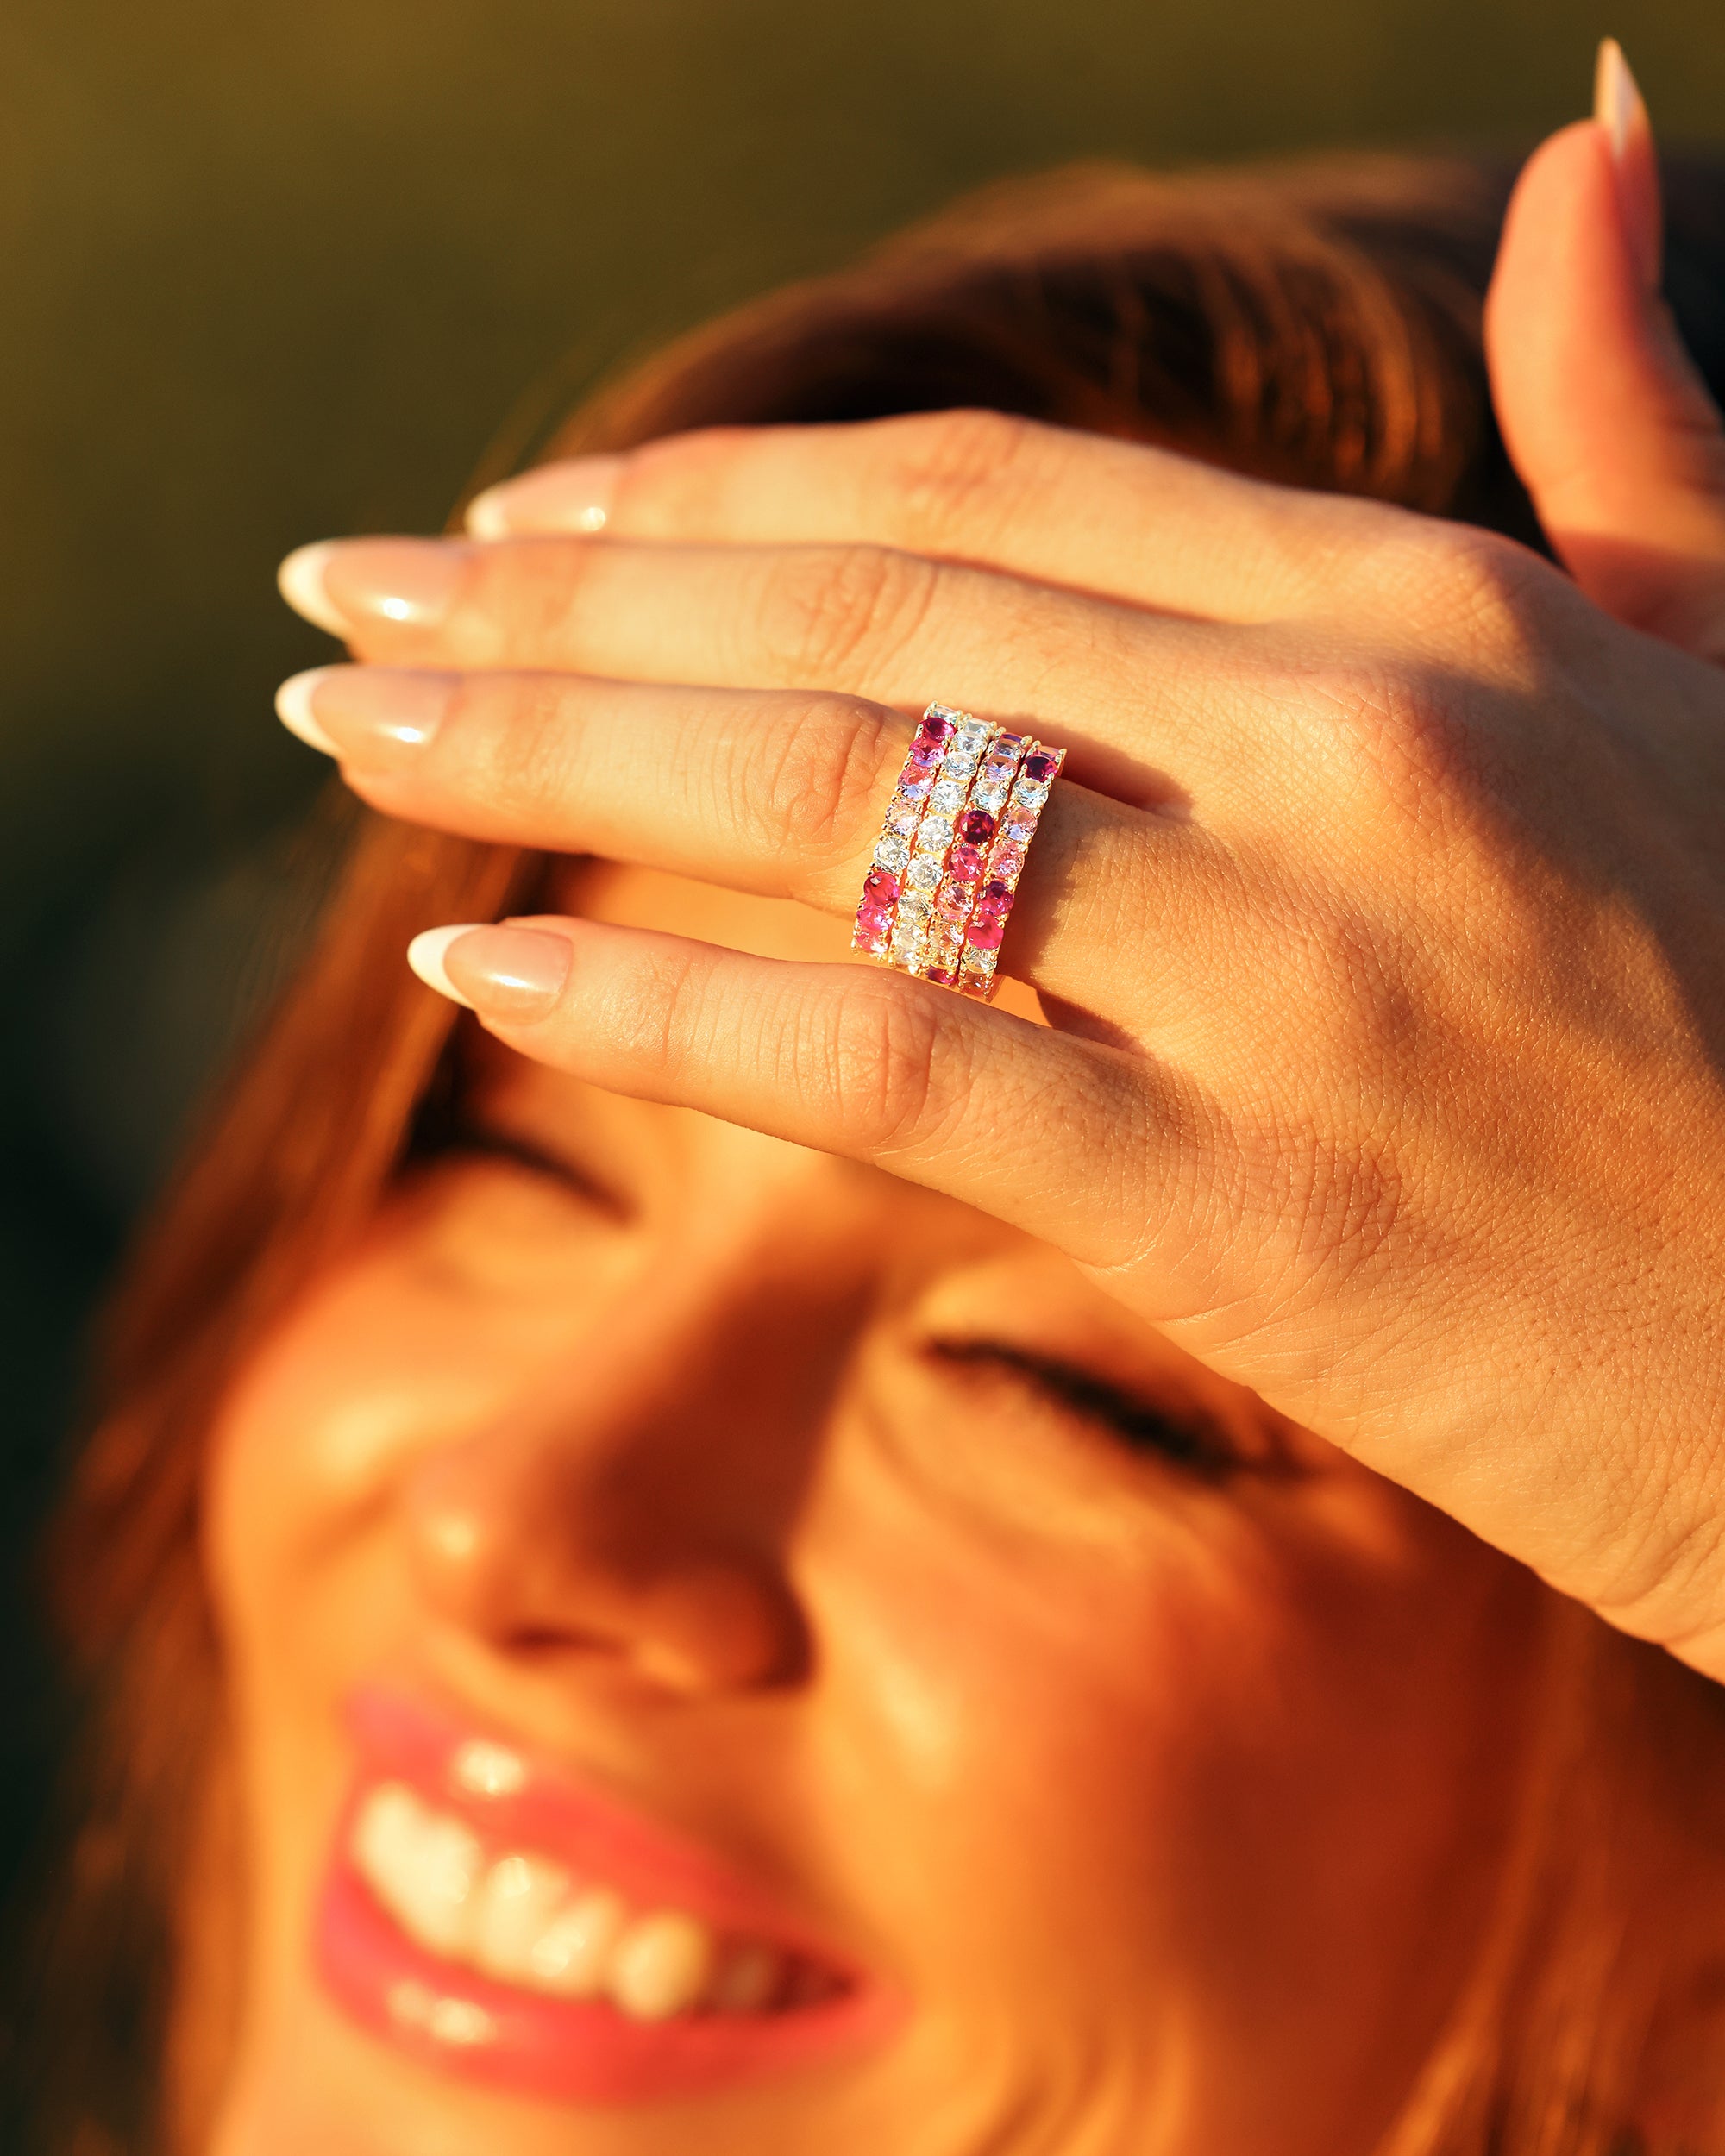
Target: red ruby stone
976 826
933 729
993 892
1039 766
880 887
985 935
941 976
964 864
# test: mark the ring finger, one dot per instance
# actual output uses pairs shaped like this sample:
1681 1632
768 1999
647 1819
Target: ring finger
780 792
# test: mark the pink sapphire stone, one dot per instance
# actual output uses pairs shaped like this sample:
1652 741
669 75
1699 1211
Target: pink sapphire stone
924 755
1008 859
985 935
941 976
881 886
874 920
964 864
977 827
1039 766
933 729
1019 833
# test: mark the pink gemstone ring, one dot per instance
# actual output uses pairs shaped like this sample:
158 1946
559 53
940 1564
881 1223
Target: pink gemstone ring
951 849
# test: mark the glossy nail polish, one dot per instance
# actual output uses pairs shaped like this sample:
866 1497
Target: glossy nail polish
513 974
1622 113
572 496
348 585
366 713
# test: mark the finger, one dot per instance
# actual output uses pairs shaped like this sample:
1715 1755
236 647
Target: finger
1611 426
860 1063
781 794
896 628
1115 518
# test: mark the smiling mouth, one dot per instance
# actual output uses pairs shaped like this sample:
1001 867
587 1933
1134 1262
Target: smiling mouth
500 1920
520 1916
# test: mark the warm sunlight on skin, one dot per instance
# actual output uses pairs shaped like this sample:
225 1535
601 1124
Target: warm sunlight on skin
1127 1762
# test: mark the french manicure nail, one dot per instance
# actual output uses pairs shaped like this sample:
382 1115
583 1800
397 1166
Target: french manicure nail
345 584
514 974
294 702
574 495
1620 109
348 711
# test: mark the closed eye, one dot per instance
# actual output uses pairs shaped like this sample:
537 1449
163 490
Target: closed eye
456 1129
1182 1432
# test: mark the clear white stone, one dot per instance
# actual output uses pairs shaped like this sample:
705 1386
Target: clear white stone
924 872
902 818
935 834
947 797
518 1898
958 762
983 795
1031 791
661 1965
572 1956
892 852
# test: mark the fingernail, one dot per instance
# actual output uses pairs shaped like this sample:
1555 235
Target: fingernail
343 583
1620 109
516 974
347 711
293 707
574 495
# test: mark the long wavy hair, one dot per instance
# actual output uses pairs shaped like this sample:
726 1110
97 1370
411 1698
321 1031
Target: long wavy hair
1317 324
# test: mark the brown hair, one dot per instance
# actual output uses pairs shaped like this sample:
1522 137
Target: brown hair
1318 325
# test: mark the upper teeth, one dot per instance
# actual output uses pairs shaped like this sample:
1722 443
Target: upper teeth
522 1919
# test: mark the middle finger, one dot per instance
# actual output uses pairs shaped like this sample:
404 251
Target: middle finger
1130 693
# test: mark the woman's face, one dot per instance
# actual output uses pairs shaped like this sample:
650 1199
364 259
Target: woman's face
731 1652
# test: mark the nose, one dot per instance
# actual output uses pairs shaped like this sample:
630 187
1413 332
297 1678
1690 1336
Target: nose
632 1510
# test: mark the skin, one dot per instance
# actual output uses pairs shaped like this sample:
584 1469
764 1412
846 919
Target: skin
1381 912
1171 1797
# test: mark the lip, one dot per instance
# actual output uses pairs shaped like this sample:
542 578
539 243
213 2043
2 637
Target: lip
461 2023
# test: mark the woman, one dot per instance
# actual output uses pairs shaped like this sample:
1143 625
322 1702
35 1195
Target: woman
756 1557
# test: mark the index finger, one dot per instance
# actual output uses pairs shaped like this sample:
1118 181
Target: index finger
1118 519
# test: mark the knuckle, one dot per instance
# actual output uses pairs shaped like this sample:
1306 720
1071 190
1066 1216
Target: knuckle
676 475
814 786
894 1065
824 612
950 472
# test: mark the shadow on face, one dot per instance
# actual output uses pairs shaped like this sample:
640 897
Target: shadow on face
1020 1737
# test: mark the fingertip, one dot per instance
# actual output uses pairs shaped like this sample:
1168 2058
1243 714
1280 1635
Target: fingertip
574 496
294 708
427 952
300 582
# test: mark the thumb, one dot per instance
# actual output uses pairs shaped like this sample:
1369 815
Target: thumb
1605 416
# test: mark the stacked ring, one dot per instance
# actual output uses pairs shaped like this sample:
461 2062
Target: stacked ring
1038 767
946 865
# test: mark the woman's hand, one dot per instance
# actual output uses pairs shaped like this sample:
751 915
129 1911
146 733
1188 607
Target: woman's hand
1381 919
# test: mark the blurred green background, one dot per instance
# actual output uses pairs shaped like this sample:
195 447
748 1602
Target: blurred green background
269 273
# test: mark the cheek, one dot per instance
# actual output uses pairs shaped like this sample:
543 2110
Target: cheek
1214 1752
